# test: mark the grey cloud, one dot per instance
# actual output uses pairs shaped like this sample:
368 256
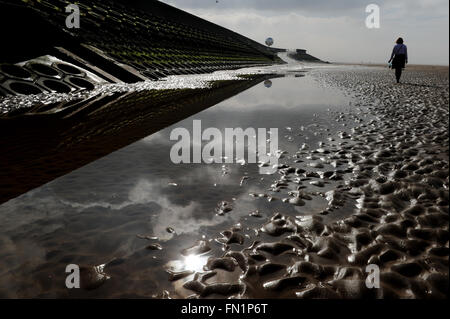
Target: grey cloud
312 7
335 30
273 5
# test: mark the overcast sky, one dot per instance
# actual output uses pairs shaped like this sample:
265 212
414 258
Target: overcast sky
335 30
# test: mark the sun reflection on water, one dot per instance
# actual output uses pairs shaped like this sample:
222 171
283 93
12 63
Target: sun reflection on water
194 262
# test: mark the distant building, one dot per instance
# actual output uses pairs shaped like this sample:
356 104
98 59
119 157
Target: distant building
301 55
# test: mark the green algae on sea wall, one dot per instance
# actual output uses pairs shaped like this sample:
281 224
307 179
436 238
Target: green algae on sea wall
152 40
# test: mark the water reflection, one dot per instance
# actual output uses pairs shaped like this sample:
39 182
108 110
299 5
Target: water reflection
194 263
95 214
39 148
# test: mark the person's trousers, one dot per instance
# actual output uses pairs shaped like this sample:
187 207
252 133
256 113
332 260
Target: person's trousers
398 74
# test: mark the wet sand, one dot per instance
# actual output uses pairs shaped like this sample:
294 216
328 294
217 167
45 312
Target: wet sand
398 164
363 180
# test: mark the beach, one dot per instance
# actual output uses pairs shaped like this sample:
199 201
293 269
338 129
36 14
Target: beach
362 180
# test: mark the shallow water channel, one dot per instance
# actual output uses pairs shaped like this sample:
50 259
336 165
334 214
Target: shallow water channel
111 210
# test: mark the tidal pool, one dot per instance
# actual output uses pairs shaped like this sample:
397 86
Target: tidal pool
135 211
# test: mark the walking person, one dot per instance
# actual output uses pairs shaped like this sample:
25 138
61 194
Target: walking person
399 58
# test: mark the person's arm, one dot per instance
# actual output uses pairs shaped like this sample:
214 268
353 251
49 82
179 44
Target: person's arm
392 55
406 54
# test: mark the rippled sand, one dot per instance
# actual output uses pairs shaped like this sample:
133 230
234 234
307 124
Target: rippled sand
369 186
398 165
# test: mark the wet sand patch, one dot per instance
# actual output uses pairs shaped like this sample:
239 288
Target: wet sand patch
362 184
398 175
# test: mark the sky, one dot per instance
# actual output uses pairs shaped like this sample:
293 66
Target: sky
335 30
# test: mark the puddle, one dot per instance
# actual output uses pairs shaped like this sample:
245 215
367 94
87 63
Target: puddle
102 212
